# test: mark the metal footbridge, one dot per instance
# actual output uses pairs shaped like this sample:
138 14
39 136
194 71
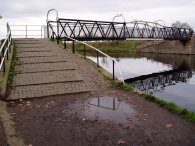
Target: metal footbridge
90 30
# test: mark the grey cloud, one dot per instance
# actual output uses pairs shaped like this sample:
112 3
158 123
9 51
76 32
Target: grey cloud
12 9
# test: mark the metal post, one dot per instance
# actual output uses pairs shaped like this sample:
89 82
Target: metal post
113 70
47 29
26 31
73 46
10 40
53 36
97 59
114 108
84 51
41 31
3 51
65 43
124 29
8 49
58 36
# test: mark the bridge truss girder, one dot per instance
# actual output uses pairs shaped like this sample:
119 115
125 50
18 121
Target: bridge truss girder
87 30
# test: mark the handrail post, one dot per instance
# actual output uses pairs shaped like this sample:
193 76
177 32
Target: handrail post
65 43
7 48
26 31
41 31
113 69
98 59
52 36
114 105
58 36
3 53
84 51
47 29
73 46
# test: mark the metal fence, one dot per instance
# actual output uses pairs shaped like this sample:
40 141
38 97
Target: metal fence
5 48
28 31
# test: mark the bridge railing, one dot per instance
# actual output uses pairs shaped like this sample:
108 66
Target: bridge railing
53 35
28 31
5 48
89 30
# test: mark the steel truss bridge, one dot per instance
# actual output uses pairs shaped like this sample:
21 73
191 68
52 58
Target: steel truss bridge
88 30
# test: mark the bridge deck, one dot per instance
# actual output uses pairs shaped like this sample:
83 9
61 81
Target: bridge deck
44 69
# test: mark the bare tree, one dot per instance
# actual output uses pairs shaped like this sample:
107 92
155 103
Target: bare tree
184 25
179 24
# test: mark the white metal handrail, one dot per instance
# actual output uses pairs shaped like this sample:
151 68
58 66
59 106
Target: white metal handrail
27 31
5 47
121 77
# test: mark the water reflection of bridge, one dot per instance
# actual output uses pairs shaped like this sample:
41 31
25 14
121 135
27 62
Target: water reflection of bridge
159 82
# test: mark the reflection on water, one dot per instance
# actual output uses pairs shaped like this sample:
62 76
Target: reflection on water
132 67
109 108
170 77
160 82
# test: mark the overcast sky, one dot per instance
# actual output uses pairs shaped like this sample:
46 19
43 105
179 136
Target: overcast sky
34 11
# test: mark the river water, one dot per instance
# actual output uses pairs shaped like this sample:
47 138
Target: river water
169 77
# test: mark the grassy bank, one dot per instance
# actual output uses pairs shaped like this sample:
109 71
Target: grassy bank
109 46
12 72
170 106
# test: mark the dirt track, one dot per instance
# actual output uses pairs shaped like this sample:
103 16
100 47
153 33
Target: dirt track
62 121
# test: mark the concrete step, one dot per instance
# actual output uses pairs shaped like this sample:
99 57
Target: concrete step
44 90
47 77
51 59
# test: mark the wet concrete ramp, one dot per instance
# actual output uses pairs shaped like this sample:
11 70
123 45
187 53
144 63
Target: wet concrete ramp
44 69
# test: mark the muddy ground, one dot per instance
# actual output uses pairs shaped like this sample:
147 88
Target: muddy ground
66 121
2 137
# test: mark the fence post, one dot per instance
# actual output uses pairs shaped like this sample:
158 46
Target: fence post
113 69
84 51
73 46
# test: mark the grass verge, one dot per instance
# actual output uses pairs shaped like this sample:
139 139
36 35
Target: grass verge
170 106
111 46
12 72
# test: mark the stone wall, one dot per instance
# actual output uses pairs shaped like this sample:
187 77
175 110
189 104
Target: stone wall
171 47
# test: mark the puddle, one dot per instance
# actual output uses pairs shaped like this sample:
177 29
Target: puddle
109 108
